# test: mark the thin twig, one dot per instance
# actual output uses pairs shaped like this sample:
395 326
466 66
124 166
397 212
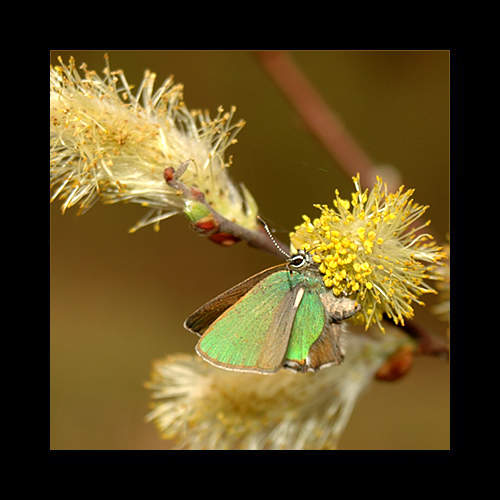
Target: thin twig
316 114
255 238
427 344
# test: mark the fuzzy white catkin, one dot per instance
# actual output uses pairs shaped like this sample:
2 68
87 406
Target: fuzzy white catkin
113 145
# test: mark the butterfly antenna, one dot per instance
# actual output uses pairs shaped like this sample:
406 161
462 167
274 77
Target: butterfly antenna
271 236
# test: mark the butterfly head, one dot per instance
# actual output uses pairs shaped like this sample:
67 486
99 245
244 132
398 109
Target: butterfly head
295 262
300 260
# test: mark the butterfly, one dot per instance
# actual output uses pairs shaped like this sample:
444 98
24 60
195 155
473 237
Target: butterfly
282 317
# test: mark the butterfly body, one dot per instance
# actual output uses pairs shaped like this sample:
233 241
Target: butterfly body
283 317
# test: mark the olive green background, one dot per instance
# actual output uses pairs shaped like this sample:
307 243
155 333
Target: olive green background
118 300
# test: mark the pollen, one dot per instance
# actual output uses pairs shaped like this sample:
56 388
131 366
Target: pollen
368 248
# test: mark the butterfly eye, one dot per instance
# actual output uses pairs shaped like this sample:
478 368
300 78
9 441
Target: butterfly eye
297 261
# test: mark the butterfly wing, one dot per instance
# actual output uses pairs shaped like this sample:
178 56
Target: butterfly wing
308 324
252 334
275 318
315 337
327 350
201 319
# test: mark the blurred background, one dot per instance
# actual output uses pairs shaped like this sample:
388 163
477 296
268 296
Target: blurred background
118 300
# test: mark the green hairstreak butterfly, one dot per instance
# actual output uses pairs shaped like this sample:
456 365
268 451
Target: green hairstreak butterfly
282 317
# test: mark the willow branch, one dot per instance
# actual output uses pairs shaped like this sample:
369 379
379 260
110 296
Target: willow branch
255 238
427 344
322 122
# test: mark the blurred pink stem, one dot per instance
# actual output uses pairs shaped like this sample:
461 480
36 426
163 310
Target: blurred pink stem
315 113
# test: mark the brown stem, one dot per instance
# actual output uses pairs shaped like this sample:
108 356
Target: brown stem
401 361
427 344
314 111
255 238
